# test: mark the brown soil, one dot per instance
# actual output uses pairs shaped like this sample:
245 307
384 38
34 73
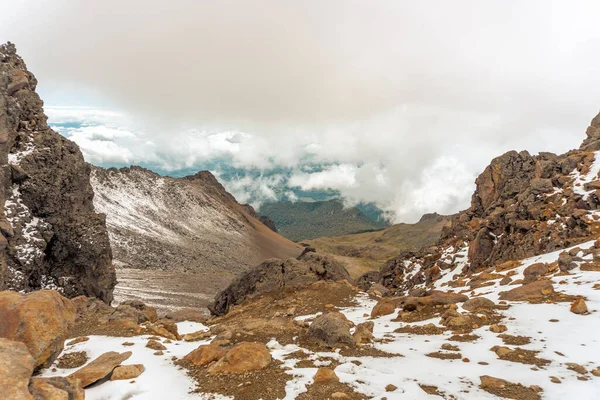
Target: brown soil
72 360
445 356
515 340
325 390
463 338
242 386
432 390
512 391
428 329
525 357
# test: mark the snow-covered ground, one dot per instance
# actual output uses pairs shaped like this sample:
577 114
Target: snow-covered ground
573 339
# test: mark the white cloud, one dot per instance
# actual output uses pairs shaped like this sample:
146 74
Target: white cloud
409 100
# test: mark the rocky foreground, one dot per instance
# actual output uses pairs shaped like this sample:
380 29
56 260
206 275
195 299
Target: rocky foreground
534 337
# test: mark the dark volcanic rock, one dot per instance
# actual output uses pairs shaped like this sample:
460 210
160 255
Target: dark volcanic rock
523 206
52 237
275 275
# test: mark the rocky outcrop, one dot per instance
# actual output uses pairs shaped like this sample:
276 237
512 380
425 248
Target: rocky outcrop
276 275
41 320
51 236
592 141
523 205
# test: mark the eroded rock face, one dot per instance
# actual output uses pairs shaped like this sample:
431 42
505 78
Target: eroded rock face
41 320
16 367
275 275
51 236
523 205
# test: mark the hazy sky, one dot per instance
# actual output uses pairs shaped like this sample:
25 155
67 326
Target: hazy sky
408 99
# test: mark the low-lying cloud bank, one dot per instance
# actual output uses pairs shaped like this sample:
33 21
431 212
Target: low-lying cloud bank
404 178
397 102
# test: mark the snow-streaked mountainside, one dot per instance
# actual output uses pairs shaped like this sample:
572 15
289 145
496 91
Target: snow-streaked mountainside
413 360
183 225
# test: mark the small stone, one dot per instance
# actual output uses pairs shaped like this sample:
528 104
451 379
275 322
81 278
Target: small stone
498 328
596 372
579 307
126 344
158 353
554 379
325 375
466 360
390 388
154 345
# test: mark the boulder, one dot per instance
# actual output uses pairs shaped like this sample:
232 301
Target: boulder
275 275
100 368
364 332
325 375
244 357
534 271
154 345
125 372
383 307
478 303
16 367
56 388
206 354
579 307
533 292
332 329
41 320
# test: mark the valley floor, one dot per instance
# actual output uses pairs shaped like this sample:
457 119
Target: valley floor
166 290
549 353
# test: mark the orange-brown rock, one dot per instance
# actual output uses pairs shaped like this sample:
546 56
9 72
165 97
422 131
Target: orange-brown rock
534 291
155 345
478 304
383 307
364 332
244 357
579 307
16 367
206 354
41 320
56 388
325 375
100 368
124 372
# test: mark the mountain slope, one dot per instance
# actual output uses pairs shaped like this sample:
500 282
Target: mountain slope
308 220
368 251
189 227
51 236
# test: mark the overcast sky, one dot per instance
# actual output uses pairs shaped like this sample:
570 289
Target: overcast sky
409 99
